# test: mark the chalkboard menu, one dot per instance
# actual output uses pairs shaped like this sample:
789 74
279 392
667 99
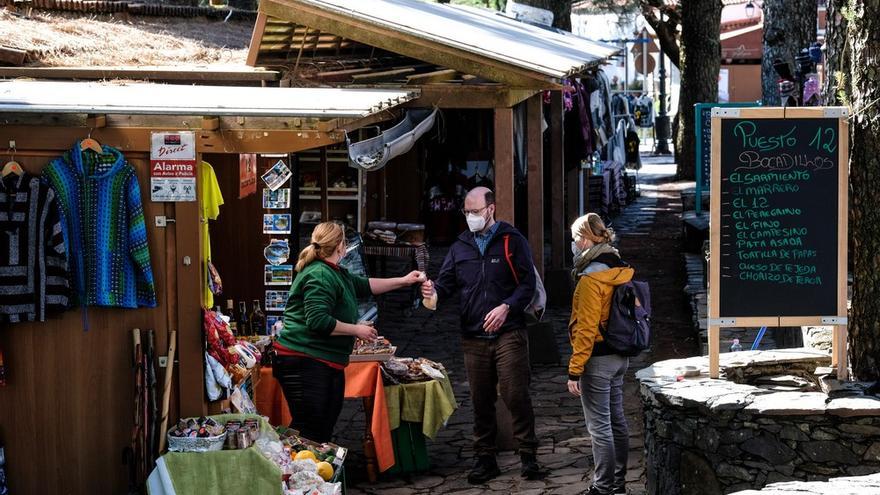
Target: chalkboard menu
704 136
703 128
778 216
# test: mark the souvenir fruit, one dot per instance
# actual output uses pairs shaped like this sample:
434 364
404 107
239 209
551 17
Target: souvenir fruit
325 470
305 454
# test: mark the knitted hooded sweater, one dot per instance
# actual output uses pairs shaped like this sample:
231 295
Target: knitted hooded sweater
104 229
33 263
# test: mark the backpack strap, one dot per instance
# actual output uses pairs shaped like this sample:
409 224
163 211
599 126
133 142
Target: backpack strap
508 257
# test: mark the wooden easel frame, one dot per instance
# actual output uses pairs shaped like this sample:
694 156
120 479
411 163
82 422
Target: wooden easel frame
839 321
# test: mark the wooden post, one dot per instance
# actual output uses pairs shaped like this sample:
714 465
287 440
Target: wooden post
842 244
535 150
715 249
504 165
187 265
557 182
256 39
714 344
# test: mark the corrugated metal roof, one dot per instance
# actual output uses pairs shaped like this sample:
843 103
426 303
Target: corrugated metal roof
483 32
169 99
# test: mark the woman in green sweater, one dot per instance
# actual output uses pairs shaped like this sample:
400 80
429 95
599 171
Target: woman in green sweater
320 328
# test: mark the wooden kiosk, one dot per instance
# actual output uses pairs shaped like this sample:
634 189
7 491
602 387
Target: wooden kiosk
460 58
779 201
66 413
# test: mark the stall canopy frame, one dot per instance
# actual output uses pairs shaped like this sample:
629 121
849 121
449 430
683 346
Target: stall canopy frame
228 118
166 99
472 41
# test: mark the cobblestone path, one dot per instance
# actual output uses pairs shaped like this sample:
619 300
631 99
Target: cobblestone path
649 235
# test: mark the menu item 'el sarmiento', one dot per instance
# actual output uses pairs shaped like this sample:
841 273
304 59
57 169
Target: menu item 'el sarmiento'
779 217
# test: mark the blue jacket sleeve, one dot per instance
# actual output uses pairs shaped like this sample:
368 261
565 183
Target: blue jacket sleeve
525 270
446 283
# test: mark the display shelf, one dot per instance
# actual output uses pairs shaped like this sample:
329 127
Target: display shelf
323 167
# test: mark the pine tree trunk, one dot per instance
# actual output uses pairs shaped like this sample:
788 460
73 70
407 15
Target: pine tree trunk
699 63
789 26
836 58
864 52
561 11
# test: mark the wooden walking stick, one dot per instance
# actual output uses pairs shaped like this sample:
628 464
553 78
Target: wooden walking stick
166 395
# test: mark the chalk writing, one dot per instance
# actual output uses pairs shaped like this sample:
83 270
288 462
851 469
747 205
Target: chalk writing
778 216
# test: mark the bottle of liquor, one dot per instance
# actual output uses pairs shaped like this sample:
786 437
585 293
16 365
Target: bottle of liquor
243 322
233 325
258 319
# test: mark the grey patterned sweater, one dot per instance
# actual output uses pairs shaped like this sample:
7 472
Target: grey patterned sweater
33 260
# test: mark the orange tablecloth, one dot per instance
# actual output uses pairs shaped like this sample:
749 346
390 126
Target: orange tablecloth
361 380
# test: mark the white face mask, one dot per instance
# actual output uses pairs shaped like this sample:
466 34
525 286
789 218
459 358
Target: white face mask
476 222
575 250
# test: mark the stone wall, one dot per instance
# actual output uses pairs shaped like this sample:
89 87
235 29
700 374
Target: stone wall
861 485
713 437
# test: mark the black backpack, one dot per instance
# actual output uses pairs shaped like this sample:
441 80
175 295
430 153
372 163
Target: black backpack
628 331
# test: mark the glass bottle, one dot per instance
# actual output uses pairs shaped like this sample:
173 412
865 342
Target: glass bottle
258 319
230 312
243 322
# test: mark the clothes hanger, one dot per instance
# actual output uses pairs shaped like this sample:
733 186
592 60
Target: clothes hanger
90 144
12 166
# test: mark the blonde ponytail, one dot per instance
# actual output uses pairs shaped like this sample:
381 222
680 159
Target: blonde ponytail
325 239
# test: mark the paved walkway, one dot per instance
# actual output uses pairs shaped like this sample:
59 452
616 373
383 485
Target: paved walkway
565 444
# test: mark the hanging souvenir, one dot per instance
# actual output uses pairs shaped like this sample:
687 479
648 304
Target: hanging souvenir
277 252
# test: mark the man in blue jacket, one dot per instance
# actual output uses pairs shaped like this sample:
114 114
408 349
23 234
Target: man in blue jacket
480 265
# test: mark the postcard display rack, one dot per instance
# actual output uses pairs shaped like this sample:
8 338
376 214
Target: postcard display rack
280 232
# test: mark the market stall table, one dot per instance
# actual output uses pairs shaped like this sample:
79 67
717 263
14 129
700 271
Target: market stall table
429 403
223 471
362 380
417 411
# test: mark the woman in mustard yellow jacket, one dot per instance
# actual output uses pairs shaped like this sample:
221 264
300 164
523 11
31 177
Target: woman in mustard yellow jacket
595 372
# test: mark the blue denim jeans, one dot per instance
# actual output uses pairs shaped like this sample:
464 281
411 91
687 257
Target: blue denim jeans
602 399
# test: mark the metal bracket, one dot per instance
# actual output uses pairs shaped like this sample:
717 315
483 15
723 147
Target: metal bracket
163 221
725 112
836 112
721 322
835 320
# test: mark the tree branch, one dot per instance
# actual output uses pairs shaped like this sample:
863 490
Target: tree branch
667 30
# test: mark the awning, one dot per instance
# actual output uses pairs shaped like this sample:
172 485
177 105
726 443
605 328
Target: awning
471 40
374 153
169 99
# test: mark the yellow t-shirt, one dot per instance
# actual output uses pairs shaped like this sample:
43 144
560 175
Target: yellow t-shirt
210 200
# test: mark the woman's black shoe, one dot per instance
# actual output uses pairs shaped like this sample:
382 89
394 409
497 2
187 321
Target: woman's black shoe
485 469
531 470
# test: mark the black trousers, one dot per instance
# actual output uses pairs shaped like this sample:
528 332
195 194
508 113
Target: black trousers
314 394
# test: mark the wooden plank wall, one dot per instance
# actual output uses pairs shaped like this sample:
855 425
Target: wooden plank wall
66 413
237 238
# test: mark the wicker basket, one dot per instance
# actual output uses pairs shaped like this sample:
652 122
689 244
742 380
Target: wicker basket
196 444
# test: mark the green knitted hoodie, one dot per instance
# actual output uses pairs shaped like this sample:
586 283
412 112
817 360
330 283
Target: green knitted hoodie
322 294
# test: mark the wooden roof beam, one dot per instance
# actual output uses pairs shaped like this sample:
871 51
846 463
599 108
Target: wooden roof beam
436 76
382 76
408 45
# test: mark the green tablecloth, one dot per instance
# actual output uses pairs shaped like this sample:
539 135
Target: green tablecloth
429 403
225 471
